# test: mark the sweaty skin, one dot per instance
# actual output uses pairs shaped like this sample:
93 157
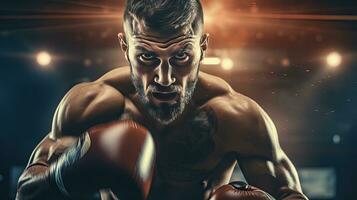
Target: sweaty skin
211 127
241 132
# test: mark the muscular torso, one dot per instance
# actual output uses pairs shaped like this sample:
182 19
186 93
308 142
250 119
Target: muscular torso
195 154
192 155
188 155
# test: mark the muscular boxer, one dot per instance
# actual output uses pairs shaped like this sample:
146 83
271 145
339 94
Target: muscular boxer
199 127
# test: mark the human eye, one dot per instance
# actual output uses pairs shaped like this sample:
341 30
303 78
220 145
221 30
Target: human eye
147 57
181 56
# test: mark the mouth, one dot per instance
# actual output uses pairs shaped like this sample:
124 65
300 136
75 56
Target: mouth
165 96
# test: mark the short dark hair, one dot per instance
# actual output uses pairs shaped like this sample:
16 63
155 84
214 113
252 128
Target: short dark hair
165 15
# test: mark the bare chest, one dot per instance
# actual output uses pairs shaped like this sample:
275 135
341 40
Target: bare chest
185 150
189 161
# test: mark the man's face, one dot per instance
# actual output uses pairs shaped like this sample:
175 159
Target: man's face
164 70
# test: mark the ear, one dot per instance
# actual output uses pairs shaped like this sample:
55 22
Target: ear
123 44
204 44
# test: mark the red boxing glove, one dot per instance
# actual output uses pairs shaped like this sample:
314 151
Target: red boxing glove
239 191
118 155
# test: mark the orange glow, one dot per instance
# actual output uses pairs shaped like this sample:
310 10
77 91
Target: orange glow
334 59
211 61
227 63
285 62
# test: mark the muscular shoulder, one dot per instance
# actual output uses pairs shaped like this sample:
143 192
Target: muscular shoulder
210 87
244 127
85 105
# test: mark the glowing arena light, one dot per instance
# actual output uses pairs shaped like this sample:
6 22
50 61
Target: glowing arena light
43 58
336 139
285 62
227 63
334 59
211 61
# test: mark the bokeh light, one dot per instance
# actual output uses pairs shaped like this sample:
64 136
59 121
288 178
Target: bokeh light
43 58
336 139
333 59
227 63
211 61
285 62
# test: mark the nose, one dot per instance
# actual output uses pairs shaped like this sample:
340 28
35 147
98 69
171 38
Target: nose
164 76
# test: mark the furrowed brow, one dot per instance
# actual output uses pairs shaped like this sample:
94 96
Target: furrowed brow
143 49
188 46
185 47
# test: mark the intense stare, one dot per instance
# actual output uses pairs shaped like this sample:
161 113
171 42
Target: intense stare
164 44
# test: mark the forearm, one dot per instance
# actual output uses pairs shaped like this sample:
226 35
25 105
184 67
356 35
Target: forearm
42 180
286 193
277 178
286 170
35 184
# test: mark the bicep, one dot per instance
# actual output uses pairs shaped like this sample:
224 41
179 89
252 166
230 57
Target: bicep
270 175
49 149
84 106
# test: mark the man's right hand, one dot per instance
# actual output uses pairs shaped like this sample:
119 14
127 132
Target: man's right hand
119 155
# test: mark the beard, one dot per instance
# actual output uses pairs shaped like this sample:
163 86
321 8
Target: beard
164 113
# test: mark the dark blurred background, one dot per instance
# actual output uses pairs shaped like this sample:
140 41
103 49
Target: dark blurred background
295 58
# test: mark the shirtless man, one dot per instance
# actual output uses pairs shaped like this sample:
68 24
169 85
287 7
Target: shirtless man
159 128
